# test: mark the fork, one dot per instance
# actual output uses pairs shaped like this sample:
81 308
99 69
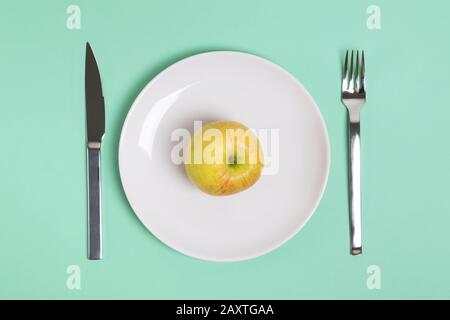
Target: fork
353 96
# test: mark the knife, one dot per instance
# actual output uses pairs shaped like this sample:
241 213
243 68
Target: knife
95 123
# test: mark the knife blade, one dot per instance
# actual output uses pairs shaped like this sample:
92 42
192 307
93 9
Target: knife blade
95 124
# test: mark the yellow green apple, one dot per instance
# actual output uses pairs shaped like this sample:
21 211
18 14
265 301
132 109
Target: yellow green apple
223 158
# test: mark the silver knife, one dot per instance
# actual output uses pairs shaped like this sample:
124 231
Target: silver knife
95 120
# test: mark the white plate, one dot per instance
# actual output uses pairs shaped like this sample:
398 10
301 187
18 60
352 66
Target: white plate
224 86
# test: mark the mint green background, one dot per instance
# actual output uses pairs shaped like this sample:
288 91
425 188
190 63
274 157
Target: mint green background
405 156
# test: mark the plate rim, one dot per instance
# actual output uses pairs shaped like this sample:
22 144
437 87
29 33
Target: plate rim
277 244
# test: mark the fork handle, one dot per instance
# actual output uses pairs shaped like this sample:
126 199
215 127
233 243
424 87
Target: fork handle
355 184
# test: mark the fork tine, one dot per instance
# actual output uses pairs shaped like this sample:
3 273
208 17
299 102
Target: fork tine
363 74
345 74
350 85
356 76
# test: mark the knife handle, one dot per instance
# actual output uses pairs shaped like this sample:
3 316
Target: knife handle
94 214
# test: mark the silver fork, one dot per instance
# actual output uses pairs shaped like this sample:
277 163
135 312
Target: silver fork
353 97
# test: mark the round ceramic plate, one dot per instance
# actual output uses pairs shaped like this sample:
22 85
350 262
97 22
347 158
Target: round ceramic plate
224 86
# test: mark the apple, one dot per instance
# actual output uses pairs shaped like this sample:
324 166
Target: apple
223 158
